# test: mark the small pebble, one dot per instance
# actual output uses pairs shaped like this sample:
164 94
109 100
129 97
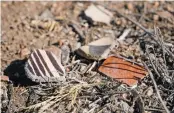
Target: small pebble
24 52
155 17
130 6
149 92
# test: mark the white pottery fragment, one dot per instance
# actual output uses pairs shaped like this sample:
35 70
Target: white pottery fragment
99 14
98 49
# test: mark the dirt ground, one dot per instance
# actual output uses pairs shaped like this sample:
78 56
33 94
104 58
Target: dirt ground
19 36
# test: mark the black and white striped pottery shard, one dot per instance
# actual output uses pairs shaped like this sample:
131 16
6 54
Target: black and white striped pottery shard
44 66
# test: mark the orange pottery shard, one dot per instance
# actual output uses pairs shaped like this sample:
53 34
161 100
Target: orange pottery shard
123 70
4 78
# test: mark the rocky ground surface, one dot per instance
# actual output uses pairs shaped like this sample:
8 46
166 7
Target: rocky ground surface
37 25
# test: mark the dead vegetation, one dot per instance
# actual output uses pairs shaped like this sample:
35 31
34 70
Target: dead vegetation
143 32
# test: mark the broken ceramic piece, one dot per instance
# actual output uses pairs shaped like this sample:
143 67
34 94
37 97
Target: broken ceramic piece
98 14
44 66
98 49
55 50
123 70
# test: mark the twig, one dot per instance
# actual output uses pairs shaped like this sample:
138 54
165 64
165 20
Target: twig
155 69
98 100
144 12
124 35
161 42
152 64
136 23
153 109
92 67
156 88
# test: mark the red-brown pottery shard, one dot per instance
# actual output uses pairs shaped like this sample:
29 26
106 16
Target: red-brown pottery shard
123 70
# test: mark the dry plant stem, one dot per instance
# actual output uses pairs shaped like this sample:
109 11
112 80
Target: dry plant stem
86 70
156 71
153 109
39 104
92 66
98 100
158 32
136 23
139 25
152 64
144 12
46 106
124 35
156 88
161 42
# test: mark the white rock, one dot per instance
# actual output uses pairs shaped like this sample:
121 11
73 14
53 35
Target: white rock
99 14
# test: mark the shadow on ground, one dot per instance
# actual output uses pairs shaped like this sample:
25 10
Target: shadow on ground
16 73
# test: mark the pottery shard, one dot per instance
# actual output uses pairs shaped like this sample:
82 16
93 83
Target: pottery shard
122 70
98 14
98 49
55 50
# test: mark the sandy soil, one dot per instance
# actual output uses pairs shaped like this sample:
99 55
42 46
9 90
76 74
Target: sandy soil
19 36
